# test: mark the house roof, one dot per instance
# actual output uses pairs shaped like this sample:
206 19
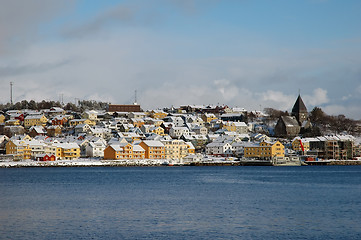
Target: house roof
37 116
137 148
117 148
152 143
289 121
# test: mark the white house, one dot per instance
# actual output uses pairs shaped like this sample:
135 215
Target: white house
219 149
177 132
177 121
91 115
95 149
200 130
82 128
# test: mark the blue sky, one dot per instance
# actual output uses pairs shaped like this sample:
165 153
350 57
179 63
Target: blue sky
245 53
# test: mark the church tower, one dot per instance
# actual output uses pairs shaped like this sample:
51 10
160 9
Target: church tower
299 110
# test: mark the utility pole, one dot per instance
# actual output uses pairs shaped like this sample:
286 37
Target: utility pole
11 93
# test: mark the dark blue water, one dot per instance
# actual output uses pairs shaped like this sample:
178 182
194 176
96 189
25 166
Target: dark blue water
313 202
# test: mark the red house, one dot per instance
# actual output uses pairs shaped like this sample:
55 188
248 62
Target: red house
45 157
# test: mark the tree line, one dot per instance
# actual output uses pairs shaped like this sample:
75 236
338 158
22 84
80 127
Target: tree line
81 105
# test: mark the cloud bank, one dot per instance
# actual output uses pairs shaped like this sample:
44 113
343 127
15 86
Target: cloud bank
108 55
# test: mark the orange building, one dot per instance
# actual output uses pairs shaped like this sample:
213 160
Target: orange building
153 149
123 151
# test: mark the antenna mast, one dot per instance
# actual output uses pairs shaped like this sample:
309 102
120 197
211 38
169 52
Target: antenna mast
11 93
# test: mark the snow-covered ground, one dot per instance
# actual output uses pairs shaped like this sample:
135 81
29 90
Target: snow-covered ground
84 162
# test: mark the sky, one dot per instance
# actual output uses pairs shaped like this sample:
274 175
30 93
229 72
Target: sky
241 53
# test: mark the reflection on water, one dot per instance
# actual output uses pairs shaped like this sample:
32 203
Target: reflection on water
181 203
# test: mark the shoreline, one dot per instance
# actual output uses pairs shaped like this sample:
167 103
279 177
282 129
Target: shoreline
152 163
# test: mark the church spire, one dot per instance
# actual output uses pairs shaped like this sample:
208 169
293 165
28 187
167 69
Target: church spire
299 110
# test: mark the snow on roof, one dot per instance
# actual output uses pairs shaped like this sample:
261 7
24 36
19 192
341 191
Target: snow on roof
37 116
69 145
240 124
117 148
137 148
153 143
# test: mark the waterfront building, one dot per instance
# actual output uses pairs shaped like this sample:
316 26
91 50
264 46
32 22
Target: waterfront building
220 149
175 149
19 149
67 151
95 149
153 149
264 150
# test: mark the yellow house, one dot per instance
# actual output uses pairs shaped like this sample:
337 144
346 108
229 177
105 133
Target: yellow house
175 149
158 114
76 122
35 120
229 126
67 151
153 149
2 118
157 130
208 117
91 115
138 152
265 150
19 149
238 127
137 122
12 122
296 144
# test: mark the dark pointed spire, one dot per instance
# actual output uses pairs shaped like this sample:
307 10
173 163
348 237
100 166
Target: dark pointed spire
299 106
299 110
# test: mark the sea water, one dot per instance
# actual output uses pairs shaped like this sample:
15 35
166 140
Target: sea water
311 202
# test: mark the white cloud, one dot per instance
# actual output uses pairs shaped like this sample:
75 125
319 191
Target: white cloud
277 99
318 98
226 88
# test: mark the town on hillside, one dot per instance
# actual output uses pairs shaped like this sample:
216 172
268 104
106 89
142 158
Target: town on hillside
189 134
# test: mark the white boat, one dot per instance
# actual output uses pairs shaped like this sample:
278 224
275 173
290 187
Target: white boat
286 161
